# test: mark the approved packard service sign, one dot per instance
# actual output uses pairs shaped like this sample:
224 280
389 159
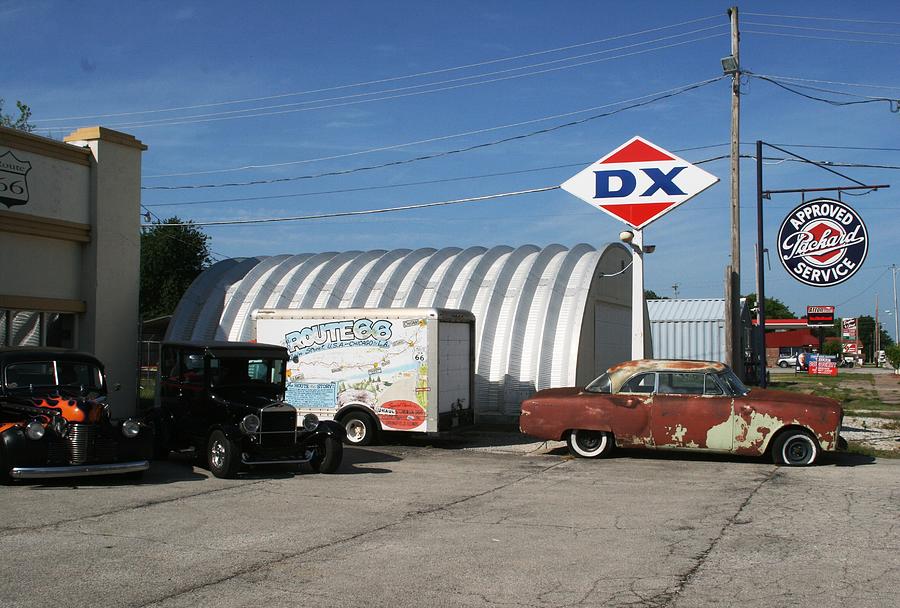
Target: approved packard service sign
823 242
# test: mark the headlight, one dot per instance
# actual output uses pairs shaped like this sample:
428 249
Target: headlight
34 430
60 426
250 424
131 428
310 422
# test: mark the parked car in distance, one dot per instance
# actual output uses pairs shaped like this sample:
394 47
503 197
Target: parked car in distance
55 419
787 361
688 405
226 400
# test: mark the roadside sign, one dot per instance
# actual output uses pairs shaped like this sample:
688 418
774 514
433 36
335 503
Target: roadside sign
822 365
822 242
819 316
638 182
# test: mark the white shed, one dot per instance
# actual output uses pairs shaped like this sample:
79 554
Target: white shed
545 317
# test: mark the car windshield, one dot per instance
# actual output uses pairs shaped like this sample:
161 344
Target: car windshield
43 374
599 385
734 384
245 372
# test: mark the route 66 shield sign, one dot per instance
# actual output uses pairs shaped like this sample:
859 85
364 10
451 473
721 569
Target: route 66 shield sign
13 182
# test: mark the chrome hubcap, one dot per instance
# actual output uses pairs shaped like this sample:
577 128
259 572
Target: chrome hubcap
356 431
217 455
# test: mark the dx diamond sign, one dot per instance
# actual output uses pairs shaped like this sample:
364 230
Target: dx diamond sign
638 182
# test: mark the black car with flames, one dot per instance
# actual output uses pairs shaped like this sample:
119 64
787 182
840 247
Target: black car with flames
55 419
226 400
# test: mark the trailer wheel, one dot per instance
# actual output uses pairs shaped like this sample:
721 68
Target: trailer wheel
361 428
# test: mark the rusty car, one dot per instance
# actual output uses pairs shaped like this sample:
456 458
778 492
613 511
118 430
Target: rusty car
55 419
688 405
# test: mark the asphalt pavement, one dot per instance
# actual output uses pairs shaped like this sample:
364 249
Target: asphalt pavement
463 523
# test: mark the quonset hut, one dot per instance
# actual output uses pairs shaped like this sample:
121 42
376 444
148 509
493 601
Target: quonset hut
545 317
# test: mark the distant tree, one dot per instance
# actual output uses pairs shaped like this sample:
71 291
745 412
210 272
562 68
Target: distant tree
649 294
867 335
775 308
832 347
171 258
21 123
893 355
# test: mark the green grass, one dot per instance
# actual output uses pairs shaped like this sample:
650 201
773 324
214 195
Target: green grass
857 448
853 398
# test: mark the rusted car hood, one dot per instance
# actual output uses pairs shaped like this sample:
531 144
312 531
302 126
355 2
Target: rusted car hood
775 396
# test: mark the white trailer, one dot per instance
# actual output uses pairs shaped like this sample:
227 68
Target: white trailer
377 369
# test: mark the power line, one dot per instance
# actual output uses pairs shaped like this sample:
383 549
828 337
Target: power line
518 172
368 211
879 22
391 79
675 92
892 103
819 29
785 35
848 84
244 113
412 143
192 120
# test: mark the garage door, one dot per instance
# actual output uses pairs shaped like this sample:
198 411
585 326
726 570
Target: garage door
612 336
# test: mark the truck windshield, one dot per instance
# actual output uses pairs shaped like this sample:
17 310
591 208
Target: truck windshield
238 371
34 374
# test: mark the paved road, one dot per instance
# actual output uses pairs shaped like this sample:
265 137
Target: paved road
412 526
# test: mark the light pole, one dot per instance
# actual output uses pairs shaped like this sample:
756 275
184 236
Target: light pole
635 239
894 277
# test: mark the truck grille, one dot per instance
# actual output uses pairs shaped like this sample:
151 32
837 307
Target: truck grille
85 444
277 428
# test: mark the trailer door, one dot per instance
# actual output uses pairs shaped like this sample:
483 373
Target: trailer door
454 374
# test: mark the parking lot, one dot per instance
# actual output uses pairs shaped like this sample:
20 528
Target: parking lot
455 524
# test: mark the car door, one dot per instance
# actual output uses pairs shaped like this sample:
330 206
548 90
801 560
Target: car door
630 415
691 410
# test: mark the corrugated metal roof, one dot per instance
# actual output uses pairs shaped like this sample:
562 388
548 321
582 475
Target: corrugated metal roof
529 302
708 309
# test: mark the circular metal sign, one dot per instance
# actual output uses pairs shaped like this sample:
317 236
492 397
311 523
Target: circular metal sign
822 242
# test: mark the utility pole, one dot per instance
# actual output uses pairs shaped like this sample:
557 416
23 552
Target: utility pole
734 351
896 324
877 336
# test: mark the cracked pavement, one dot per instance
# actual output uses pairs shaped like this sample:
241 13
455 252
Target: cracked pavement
414 525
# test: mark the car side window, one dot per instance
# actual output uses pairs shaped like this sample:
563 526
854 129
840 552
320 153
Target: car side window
191 367
711 386
641 383
680 383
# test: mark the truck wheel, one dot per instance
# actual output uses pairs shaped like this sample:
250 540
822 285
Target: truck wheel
361 428
5 478
222 455
328 456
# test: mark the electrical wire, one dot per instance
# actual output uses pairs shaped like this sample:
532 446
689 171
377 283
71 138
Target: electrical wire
192 120
367 211
848 84
819 29
414 143
785 35
444 153
866 290
243 113
823 18
893 104
391 79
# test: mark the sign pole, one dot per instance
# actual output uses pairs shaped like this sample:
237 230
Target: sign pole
637 294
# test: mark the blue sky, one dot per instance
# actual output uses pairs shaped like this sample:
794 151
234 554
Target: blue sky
126 64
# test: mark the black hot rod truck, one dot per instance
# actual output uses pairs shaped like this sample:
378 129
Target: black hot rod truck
55 419
226 400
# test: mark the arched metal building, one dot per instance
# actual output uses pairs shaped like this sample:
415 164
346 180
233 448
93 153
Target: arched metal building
545 317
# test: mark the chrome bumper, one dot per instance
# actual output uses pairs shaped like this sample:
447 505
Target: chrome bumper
79 470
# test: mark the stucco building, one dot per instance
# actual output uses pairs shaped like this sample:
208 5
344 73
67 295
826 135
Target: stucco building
70 247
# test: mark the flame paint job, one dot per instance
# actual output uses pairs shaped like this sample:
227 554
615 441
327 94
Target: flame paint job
741 424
